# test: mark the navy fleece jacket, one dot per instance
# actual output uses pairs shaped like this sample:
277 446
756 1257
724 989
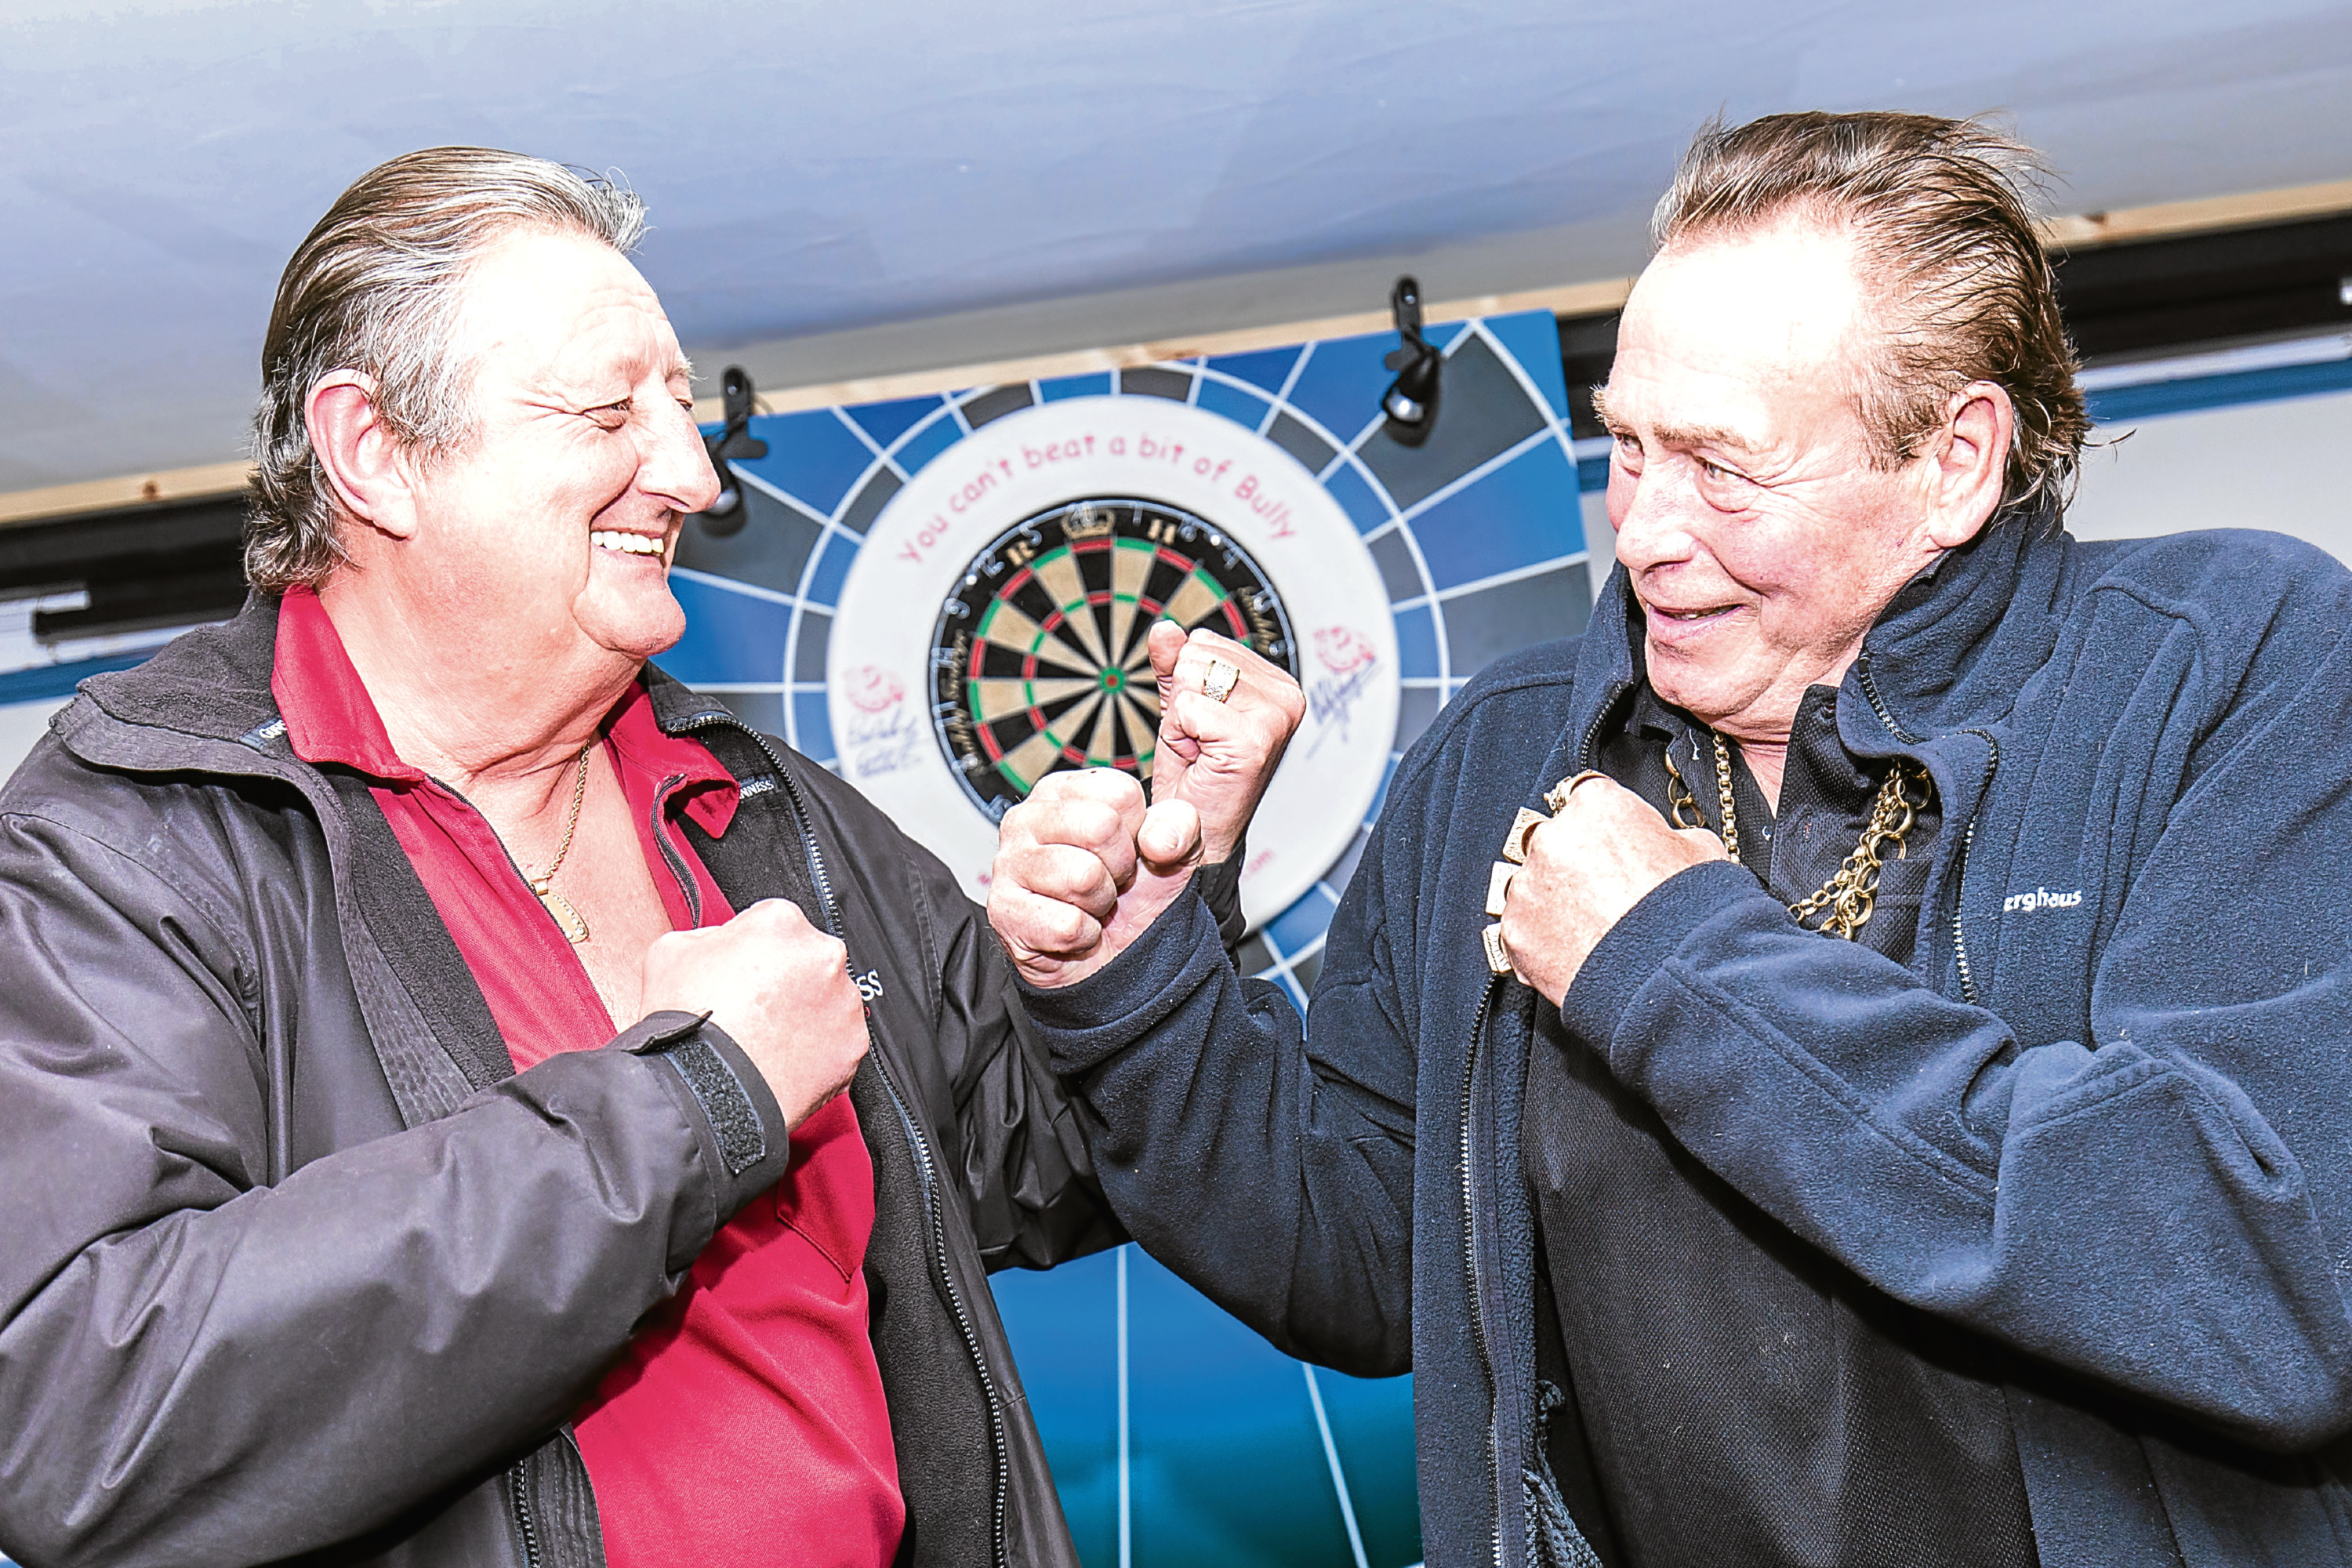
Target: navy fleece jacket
2104 1118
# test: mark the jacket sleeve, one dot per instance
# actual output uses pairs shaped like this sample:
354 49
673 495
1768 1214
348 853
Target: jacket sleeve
1271 1169
2161 1205
1010 1134
200 1364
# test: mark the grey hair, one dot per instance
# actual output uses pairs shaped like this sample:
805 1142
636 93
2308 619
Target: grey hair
375 288
1943 213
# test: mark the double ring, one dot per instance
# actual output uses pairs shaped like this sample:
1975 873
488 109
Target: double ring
1222 679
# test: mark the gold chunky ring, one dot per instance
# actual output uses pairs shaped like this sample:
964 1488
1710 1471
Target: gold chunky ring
1556 796
1222 679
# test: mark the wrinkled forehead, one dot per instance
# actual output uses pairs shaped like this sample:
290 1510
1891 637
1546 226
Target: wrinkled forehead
1725 329
564 312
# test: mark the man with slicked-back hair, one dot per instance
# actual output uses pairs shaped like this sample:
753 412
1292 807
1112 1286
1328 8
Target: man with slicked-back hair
1850 1061
464 1097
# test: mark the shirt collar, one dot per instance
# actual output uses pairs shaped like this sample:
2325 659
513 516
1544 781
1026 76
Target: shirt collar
640 745
330 716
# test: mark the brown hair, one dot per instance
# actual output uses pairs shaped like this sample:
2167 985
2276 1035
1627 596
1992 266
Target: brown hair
1942 211
374 289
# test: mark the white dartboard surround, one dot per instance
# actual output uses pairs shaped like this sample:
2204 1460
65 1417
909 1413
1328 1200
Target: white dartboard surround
935 533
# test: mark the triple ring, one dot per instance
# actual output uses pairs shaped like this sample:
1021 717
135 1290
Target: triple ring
1222 679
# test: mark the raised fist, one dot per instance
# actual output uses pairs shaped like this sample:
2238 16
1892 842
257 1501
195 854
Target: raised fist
1218 756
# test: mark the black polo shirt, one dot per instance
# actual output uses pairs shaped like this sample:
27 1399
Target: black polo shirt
1735 1397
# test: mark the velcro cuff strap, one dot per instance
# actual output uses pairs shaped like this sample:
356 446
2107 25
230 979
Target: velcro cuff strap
734 1119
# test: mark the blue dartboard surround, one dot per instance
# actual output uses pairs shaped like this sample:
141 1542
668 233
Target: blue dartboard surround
1176 1434
1477 534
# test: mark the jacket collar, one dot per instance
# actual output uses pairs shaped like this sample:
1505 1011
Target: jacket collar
1957 645
1949 653
1940 668
213 682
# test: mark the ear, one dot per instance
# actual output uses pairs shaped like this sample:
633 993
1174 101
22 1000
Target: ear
364 463
1969 463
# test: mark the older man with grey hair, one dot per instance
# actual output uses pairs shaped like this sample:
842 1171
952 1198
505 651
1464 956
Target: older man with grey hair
1850 1061
422 1134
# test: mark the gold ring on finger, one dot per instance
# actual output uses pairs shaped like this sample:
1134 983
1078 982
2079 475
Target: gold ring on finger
1556 797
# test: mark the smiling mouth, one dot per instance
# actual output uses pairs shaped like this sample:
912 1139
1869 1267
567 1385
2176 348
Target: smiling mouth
1687 618
623 543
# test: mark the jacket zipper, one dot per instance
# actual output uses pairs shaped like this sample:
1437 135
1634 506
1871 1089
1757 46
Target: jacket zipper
677 862
924 1166
1960 937
1968 834
1470 1264
519 1490
1609 701
1479 1343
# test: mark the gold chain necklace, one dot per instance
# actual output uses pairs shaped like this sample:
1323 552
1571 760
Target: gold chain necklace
1849 895
576 927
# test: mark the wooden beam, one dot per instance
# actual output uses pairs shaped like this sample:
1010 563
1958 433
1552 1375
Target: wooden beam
2072 233
1567 299
130 490
2191 217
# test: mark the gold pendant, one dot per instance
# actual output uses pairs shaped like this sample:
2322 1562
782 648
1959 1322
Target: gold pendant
566 915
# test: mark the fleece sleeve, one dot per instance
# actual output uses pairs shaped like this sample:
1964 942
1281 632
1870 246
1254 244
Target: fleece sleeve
2161 1201
1271 1169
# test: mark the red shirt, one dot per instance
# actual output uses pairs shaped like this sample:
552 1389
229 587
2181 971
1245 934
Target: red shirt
748 1412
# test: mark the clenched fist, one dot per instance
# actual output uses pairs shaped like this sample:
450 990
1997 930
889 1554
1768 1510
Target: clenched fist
1605 851
780 987
1082 868
1218 757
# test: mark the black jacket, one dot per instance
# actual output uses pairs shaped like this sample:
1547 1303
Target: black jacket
296 1262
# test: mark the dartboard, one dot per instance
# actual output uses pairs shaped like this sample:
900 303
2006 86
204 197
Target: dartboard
1041 659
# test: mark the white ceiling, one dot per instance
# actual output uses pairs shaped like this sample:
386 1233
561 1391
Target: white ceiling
858 187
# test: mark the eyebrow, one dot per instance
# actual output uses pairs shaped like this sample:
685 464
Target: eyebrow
1674 434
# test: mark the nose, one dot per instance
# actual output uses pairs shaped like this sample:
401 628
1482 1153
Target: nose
673 464
1649 510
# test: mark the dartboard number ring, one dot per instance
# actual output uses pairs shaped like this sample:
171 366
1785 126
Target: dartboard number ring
1040 661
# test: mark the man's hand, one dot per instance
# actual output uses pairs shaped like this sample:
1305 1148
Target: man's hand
1218 757
1082 868
780 987
1605 851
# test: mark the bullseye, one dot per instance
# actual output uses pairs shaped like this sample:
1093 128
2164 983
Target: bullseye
1041 657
